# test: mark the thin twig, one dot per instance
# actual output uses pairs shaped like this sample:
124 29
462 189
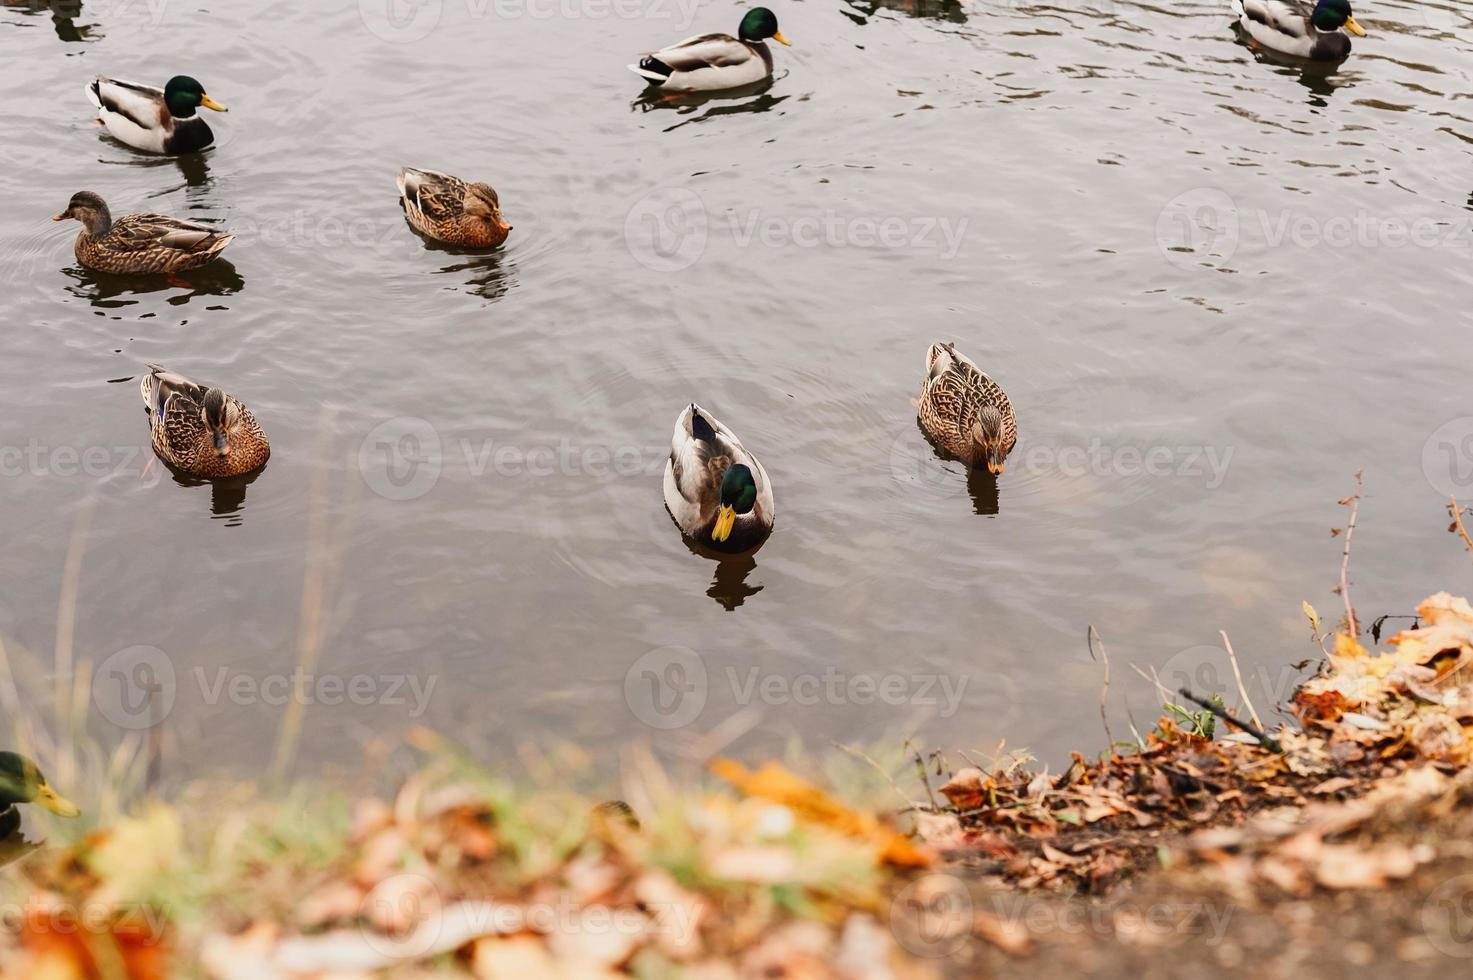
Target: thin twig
1457 513
1264 739
1090 638
1354 503
1242 691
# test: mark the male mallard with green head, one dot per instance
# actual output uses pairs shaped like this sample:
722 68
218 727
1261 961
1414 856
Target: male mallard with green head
155 120
201 431
21 781
1299 29
709 62
965 412
449 209
716 491
139 244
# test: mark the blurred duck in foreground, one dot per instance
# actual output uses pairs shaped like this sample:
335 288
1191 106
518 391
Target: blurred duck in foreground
139 244
448 209
156 120
717 491
201 431
1299 28
710 62
965 412
21 782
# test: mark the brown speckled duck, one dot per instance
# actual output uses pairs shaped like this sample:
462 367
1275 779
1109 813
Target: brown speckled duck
139 244
201 431
965 412
450 210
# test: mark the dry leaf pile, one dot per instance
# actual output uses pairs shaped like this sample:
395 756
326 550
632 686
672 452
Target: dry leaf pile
772 876
1378 729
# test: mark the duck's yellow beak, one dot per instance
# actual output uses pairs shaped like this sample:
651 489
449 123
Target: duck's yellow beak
210 103
47 799
725 521
778 37
1354 28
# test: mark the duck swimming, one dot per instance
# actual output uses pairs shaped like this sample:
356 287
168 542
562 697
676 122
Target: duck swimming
1299 29
155 120
715 489
710 62
139 244
965 412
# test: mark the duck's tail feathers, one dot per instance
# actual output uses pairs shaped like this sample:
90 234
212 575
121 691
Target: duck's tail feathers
94 93
700 429
652 70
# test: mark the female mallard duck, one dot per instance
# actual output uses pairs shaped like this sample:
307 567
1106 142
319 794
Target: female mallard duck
710 62
450 210
201 431
1297 28
717 491
139 244
965 412
155 120
21 781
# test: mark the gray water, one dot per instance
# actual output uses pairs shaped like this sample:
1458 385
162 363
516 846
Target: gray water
1215 287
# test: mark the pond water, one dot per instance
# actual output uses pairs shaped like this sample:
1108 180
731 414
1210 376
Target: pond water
1215 287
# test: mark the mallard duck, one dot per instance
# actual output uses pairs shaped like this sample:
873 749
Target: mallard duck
155 120
201 431
139 244
21 781
965 412
717 491
710 62
450 210
1298 28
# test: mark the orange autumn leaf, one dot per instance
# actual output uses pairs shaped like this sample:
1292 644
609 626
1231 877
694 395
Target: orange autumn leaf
773 782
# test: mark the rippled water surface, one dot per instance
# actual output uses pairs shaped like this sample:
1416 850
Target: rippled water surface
1215 287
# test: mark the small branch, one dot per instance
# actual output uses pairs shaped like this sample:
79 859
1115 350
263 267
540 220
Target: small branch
1354 504
1264 739
1238 675
1458 526
1090 638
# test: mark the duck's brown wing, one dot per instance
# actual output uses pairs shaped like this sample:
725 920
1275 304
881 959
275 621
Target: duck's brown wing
439 197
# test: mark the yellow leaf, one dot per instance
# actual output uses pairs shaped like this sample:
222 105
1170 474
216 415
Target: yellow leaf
1312 616
773 782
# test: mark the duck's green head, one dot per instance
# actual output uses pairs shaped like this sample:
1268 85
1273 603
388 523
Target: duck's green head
21 781
1331 15
759 25
738 496
183 95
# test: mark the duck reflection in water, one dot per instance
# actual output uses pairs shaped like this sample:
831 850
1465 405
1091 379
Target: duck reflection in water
729 586
103 290
227 494
64 14
716 104
489 275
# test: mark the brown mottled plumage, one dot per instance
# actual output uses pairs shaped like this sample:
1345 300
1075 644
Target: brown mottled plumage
201 431
965 412
450 210
139 244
